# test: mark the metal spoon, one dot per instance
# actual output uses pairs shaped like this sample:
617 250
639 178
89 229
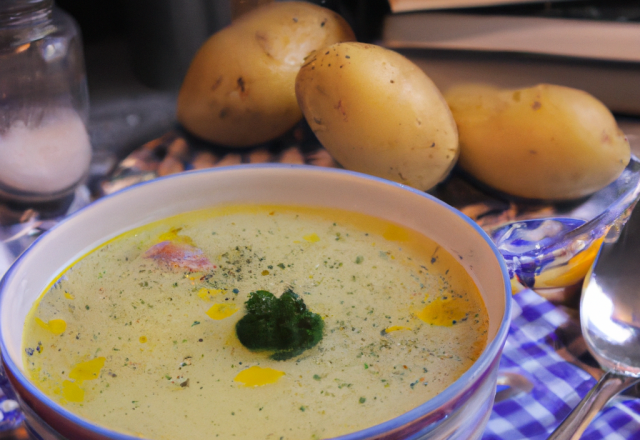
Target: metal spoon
610 320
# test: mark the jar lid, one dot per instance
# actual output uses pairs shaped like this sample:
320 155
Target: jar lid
19 12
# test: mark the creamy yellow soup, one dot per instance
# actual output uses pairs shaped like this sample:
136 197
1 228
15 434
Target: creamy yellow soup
139 335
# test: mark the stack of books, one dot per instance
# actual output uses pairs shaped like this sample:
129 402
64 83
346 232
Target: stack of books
421 5
516 50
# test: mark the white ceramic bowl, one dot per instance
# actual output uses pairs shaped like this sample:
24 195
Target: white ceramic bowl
460 412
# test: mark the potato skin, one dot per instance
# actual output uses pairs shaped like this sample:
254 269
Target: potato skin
378 113
239 89
545 142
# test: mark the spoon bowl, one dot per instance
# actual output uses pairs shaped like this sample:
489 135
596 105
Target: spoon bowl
610 321
610 305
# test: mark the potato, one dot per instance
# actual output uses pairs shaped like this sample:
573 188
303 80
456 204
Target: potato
239 89
544 142
376 112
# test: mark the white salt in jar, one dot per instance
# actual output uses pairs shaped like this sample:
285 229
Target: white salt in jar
44 146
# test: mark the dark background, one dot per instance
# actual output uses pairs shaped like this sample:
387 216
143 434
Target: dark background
155 39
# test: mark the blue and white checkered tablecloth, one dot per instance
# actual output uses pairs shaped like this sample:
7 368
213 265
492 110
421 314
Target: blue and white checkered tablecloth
538 348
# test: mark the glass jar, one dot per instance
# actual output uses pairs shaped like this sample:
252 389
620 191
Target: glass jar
44 146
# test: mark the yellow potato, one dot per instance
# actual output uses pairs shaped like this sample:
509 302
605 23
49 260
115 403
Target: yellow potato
544 142
376 112
239 89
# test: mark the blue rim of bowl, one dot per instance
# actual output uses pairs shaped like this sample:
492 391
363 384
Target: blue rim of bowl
465 381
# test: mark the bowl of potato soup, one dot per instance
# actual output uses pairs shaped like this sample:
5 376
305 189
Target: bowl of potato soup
258 302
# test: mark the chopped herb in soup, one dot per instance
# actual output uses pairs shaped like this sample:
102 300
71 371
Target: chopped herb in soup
255 322
283 324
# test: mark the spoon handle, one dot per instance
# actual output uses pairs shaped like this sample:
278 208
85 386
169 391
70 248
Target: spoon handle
577 421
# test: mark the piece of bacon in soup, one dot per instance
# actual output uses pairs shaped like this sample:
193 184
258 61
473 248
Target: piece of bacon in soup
173 256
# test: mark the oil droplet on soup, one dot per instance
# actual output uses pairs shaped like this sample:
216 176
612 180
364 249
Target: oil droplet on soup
71 392
446 311
396 233
395 328
140 334
221 311
88 370
55 326
256 376
209 294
